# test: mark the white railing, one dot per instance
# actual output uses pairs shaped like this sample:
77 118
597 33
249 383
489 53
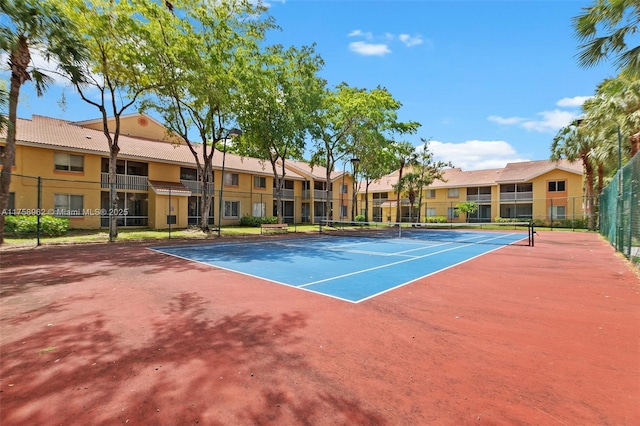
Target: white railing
131 182
286 193
195 186
479 198
516 196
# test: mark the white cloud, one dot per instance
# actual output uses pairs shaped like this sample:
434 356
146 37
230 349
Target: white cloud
576 101
546 121
505 120
409 40
551 121
381 47
359 33
475 154
369 49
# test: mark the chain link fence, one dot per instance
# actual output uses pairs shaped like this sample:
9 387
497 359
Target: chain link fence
620 211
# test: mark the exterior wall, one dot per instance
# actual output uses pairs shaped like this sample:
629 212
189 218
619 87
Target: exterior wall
34 161
571 198
163 207
542 199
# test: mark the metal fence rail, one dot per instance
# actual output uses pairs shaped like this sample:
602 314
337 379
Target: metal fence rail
620 211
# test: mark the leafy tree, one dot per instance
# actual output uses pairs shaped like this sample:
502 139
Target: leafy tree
428 170
375 162
344 111
278 103
407 185
199 53
618 19
112 33
26 25
467 208
404 154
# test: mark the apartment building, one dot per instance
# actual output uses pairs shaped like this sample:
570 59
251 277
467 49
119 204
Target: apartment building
541 190
61 168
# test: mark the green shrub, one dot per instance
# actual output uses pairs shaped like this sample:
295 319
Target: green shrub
253 221
436 219
22 226
360 218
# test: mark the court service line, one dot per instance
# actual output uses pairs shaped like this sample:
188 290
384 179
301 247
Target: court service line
383 266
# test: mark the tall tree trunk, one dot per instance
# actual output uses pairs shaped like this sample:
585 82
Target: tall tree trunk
588 168
19 61
206 179
113 193
398 208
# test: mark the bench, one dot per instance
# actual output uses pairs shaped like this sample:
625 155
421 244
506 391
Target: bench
264 227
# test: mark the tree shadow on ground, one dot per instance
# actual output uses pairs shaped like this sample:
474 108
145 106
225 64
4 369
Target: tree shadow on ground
192 365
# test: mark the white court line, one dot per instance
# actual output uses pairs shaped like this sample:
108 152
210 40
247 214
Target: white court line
384 266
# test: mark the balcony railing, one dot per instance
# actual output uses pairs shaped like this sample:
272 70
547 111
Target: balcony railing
127 182
516 196
479 198
195 186
286 193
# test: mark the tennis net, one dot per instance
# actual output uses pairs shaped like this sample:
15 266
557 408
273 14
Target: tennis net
498 233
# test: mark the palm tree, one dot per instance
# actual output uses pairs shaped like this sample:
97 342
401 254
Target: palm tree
619 19
408 185
30 24
573 143
405 155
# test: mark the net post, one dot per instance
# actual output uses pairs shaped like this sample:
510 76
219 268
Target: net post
532 234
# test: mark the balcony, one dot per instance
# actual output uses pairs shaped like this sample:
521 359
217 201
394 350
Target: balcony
516 196
195 186
126 182
482 198
286 193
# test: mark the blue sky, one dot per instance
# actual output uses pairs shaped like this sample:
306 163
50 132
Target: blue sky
491 82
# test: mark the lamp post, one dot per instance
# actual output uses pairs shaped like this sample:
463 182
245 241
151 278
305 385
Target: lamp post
619 200
231 133
354 206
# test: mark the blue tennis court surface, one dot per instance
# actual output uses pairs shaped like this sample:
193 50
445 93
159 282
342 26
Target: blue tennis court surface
351 269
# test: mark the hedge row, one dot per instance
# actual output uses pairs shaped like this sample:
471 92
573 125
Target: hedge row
22 226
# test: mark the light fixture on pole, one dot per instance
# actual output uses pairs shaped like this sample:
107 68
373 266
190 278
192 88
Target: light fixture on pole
231 133
354 206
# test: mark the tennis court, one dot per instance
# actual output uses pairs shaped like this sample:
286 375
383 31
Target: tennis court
120 334
352 267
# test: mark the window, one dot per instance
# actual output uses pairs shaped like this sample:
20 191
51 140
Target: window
380 195
557 212
431 193
453 193
259 209
343 211
188 174
12 201
343 188
125 167
68 205
431 211
557 186
231 179
232 209
259 182
452 213
68 162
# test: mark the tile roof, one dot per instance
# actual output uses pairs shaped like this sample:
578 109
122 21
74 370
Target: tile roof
317 172
65 135
527 170
513 172
166 188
